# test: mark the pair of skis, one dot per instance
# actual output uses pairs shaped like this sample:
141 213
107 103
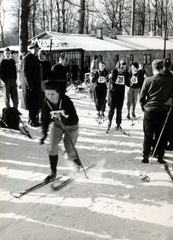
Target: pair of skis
54 186
120 130
100 119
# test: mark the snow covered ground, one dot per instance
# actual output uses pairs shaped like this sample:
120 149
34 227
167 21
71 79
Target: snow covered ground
112 204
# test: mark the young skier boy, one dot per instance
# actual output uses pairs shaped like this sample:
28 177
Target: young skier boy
100 80
58 109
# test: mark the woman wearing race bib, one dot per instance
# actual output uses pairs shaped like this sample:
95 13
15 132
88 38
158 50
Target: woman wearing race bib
119 77
100 79
136 81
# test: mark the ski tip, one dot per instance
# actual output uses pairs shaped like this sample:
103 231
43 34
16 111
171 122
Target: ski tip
15 195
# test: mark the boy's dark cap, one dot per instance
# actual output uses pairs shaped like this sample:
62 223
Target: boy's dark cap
34 45
7 49
167 62
157 64
52 85
135 64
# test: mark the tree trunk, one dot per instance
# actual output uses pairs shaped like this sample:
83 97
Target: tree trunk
23 27
81 17
133 18
2 17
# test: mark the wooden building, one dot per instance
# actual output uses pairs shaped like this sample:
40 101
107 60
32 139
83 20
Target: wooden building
81 48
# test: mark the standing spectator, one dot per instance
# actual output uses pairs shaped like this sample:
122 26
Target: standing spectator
59 73
166 70
59 106
119 77
45 68
155 92
136 81
8 75
93 69
31 85
74 71
142 69
100 80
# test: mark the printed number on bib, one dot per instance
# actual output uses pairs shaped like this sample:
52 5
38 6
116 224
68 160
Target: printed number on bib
120 80
134 80
102 80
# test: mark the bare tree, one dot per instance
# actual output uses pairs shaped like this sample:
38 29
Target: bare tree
23 26
2 20
81 17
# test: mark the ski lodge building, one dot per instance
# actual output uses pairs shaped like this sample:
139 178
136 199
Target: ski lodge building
82 47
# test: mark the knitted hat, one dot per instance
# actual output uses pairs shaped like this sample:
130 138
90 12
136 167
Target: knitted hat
157 64
135 64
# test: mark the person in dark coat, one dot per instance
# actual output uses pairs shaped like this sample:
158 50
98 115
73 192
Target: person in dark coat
8 75
119 77
59 73
45 68
31 85
154 97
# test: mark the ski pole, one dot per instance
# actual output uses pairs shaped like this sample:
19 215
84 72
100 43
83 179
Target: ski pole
146 178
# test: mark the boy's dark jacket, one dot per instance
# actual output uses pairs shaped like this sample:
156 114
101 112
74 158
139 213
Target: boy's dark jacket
65 104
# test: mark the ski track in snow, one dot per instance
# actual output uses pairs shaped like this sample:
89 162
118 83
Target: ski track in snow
113 203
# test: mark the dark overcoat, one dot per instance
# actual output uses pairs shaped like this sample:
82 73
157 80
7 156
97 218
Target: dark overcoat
31 84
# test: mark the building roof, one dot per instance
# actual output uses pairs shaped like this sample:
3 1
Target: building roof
92 43
63 41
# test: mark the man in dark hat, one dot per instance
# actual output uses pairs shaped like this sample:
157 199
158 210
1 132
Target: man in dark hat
59 73
9 76
31 85
155 93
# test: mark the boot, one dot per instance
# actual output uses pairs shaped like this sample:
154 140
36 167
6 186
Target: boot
145 159
78 163
109 126
53 164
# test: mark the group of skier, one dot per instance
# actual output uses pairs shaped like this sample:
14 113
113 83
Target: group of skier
110 88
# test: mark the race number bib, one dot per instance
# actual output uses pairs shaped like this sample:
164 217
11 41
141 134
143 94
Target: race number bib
120 80
102 79
134 80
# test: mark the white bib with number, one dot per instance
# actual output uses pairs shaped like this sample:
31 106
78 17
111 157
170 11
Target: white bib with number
134 80
120 80
102 79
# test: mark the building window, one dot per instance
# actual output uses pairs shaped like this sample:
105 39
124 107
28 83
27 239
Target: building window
99 58
149 59
131 59
144 59
87 61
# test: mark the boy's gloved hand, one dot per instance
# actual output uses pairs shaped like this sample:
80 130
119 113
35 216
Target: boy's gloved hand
43 139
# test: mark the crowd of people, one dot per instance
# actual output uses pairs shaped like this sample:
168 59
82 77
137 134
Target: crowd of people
44 96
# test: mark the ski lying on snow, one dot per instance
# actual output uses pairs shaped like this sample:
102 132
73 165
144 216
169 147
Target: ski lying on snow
31 189
168 171
69 180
